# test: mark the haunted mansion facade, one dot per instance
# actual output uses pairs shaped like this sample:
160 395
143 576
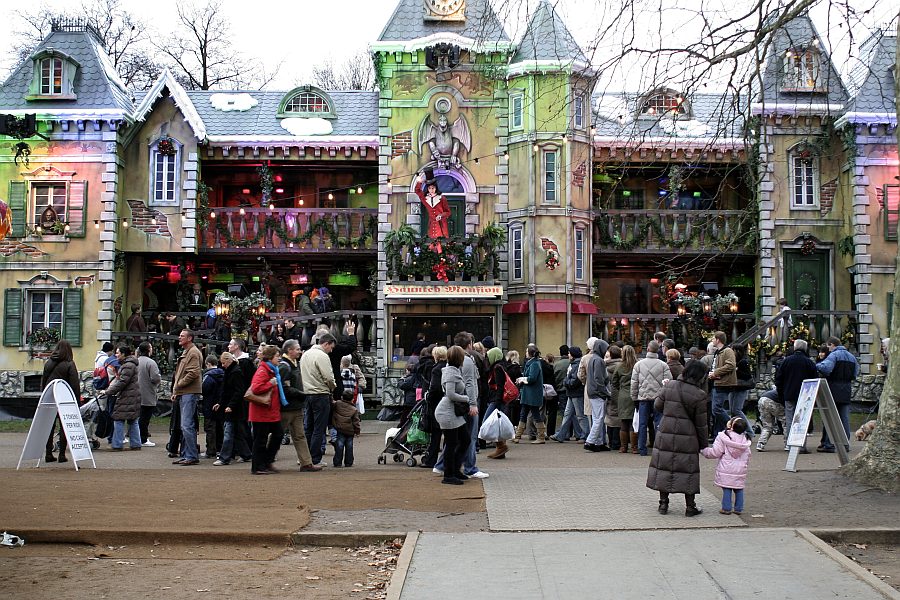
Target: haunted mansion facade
484 187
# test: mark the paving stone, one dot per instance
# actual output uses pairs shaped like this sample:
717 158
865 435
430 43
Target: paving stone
564 499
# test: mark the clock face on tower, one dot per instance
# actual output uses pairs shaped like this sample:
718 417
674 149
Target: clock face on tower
445 9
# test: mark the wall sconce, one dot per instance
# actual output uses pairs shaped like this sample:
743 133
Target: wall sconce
680 309
707 304
733 307
96 224
125 223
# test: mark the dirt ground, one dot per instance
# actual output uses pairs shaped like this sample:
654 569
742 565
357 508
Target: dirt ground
223 530
881 560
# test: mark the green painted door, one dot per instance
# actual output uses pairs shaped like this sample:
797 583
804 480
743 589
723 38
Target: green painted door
807 280
456 223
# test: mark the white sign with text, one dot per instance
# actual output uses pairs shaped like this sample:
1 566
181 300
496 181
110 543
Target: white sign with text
57 399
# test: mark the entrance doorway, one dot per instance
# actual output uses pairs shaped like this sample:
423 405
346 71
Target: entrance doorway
807 280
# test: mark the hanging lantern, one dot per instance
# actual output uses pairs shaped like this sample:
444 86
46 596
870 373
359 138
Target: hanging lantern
5 219
707 304
733 307
681 310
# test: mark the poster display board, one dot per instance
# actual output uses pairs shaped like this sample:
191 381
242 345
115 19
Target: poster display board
816 395
57 399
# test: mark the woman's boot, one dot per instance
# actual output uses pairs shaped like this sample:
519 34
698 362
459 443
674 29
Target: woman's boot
500 451
623 441
663 503
62 451
541 433
634 448
520 429
615 440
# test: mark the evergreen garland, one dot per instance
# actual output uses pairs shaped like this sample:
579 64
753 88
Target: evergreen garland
323 225
647 223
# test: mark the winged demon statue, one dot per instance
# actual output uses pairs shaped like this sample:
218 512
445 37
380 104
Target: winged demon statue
445 141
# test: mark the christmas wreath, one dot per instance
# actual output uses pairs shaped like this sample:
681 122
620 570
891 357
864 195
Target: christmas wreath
166 146
552 260
808 247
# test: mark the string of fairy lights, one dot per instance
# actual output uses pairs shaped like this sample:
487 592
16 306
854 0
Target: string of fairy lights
358 188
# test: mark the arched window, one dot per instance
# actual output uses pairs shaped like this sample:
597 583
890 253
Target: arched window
664 102
307 101
802 68
53 76
454 191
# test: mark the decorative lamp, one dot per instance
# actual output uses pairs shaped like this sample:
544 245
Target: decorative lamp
681 310
733 307
707 304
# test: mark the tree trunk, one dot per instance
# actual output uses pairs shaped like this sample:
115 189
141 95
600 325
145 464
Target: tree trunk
879 462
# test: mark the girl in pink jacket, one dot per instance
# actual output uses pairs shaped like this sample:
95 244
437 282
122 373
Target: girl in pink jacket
732 448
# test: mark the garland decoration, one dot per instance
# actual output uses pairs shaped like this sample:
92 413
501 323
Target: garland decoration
244 311
323 226
552 260
440 271
166 146
808 247
471 256
265 182
646 223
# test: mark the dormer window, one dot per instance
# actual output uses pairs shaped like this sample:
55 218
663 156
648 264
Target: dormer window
307 101
802 67
53 77
662 103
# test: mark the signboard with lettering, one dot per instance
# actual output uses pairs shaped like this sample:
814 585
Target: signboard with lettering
428 290
57 399
815 395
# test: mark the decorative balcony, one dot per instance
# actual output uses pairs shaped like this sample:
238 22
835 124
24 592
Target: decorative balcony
290 229
676 231
471 258
687 330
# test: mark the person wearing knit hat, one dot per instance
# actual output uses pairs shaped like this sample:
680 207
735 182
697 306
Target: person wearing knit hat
589 344
573 418
488 343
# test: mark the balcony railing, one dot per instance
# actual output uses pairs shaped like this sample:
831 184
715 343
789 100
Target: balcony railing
471 258
687 231
638 329
235 228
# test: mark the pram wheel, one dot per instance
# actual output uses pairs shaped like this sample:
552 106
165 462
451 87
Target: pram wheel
398 458
411 462
95 444
382 460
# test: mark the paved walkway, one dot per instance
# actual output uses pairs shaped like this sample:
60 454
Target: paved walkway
733 564
602 499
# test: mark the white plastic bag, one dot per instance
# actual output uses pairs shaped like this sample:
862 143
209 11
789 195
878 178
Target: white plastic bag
360 404
496 427
635 421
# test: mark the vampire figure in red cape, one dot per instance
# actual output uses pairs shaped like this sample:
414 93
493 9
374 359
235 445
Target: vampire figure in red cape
436 207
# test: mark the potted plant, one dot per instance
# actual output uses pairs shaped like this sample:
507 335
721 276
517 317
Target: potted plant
42 339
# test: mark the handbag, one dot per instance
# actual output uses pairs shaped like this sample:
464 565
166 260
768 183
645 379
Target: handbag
261 399
460 409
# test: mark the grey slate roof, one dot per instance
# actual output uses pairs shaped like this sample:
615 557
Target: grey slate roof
548 38
872 79
97 85
800 32
407 23
357 113
712 117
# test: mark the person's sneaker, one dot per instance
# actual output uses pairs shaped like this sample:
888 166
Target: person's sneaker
479 475
322 464
221 463
722 511
205 455
437 471
148 444
241 459
760 448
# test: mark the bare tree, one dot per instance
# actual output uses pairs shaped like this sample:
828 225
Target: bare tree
201 54
122 34
356 73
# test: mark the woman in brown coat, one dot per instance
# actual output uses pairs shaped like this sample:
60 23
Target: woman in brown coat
61 365
127 410
675 464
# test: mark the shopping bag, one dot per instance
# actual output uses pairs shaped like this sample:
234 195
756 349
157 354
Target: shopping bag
360 404
496 427
415 435
635 421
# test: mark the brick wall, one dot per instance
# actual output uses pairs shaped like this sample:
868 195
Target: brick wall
401 144
9 247
826 196
142 219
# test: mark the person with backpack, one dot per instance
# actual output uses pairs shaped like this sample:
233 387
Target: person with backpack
212 388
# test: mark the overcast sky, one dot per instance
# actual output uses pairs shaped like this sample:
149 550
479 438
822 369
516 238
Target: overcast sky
306 32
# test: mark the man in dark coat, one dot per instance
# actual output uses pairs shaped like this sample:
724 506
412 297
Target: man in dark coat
788 380
675 464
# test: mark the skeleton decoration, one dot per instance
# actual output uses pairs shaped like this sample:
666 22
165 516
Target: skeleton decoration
444 140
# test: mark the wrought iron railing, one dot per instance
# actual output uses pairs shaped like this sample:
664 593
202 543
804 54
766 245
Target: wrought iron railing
717 231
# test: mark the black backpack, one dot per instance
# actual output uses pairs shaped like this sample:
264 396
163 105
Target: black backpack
103 424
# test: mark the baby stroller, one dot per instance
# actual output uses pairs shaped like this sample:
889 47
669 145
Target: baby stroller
407 438
90 412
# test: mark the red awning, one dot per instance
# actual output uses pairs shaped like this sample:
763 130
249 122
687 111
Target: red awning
547 305
584 308
517 307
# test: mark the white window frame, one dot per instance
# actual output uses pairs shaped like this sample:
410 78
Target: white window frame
550 177
578 112
517 252
802 69
52 82
307 103
29 325
517 116
61 215
579 253
175 175
808 198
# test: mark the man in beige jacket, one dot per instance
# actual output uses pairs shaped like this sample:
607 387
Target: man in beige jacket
724 378
318 382
186 388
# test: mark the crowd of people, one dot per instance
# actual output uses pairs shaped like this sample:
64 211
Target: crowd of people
608 399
